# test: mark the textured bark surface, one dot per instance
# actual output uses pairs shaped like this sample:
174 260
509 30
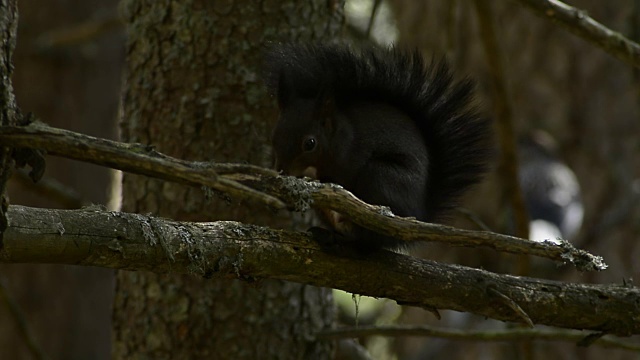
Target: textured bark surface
8 108
193 90
229 249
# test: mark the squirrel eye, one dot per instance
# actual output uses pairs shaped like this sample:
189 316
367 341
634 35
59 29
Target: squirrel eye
309 144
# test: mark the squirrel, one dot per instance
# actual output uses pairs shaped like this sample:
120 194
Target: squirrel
380 123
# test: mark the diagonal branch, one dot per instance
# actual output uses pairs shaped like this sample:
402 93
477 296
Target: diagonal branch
24 329
581 24
93 237
336 198
135 158
263 185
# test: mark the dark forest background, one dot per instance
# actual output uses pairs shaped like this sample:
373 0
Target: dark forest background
69 66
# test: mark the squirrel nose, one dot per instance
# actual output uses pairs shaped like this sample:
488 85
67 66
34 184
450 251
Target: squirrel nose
310 171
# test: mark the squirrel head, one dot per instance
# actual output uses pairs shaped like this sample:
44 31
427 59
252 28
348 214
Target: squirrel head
301 137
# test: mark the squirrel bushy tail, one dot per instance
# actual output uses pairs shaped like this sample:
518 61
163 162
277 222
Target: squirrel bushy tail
457 137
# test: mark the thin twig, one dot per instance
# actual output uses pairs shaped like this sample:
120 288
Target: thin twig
377 218
78 33
21 322
579 23
512 305
372 17
504 335
474 218
52 189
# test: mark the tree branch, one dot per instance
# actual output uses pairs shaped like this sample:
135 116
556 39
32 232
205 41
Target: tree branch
94 237
263 185
579 23
135 158
501 335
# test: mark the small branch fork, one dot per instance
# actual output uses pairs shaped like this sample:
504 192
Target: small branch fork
579 23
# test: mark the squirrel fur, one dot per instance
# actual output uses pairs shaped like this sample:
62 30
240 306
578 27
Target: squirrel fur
380 123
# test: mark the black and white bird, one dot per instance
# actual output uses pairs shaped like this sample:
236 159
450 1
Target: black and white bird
551 190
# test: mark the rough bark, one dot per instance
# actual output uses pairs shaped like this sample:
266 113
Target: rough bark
8 107
194 90
226 249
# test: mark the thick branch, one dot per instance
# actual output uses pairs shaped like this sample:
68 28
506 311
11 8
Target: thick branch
233 250
263 185
579 23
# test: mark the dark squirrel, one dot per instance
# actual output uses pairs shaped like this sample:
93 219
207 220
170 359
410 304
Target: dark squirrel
380 123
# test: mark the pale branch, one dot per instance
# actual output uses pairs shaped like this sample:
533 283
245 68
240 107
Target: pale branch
372 217
264 185
94 237
515 334
473 217
581 24
77 34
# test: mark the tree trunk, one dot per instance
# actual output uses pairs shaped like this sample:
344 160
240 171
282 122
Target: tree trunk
193 90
